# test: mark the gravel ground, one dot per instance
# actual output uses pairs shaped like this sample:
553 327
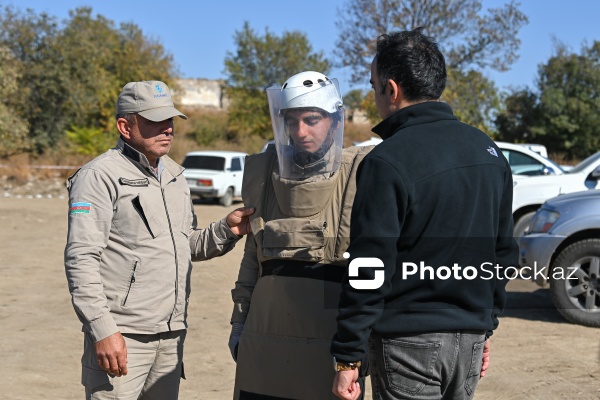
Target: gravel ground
33 188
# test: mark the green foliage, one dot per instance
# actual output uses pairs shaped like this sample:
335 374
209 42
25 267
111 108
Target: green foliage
353 99
249 113
209 128
564 112
518 115
71 73
569 101
13 130
368 105
259 62
43 81
90 141
473 98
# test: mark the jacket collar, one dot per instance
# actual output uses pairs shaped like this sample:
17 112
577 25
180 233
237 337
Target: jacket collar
416 114
164 162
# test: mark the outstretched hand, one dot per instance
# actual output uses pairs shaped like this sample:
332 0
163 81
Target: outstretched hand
238 220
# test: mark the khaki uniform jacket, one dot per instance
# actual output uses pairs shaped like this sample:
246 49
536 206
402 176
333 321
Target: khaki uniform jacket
287 293
130 244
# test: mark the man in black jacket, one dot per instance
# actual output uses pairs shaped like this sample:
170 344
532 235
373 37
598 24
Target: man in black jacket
433 204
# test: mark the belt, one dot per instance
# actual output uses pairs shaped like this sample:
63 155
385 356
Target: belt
304 269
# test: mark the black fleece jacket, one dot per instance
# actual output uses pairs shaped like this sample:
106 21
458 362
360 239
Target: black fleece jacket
435 193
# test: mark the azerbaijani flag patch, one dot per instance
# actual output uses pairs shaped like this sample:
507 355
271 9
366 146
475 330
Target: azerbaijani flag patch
80 208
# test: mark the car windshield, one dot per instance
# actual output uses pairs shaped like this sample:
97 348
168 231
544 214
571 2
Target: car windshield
204 162
585 163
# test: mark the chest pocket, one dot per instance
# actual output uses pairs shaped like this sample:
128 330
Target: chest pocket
137 220
294 238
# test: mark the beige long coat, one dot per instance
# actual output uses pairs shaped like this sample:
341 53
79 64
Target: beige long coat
289 280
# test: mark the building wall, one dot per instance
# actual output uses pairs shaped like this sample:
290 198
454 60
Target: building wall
201 93
208 93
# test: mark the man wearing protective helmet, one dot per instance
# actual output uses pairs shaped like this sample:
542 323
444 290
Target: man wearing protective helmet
308 120
286 295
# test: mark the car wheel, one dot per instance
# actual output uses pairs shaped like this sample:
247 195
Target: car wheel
227 199
522 224
575 282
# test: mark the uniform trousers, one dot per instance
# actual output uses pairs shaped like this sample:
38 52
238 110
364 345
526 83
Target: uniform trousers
154 363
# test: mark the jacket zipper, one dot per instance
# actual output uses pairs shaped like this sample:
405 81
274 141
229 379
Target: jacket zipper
176 258
131 281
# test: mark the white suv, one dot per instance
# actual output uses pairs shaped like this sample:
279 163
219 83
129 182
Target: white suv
522 158
215 174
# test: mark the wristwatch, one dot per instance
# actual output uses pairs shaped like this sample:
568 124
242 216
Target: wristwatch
345 366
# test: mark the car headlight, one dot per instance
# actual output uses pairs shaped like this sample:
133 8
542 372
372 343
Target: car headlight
543 220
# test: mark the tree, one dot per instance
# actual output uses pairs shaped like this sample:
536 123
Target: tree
43 81
469 39
71 75
13 129
259 62
353 101
473 97
517 117
466 36
101 59
564 112
368 104
569 101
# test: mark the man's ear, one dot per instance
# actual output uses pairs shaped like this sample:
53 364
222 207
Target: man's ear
395 91
124 128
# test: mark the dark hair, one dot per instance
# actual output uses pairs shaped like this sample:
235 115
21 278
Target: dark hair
129 117
414 61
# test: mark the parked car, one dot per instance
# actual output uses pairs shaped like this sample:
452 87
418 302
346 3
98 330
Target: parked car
529 193
563 242
215 174
524 159
538 148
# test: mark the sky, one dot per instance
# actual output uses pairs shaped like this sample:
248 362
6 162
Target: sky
199 33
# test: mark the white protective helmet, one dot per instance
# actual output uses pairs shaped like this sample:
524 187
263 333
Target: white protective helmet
308 90
311 89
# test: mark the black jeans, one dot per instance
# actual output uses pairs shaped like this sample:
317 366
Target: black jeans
426 366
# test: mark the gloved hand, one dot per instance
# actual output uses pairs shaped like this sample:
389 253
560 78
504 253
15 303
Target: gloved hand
234 338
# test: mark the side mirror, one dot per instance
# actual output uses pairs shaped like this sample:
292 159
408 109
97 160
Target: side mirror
596 173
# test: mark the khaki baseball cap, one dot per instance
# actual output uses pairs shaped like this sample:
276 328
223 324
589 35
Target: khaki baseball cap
150 99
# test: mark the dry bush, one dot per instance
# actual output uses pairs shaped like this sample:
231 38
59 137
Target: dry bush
16 168
357 133
27 167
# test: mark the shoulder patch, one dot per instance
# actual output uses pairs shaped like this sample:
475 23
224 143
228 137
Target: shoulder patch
134 182
80 208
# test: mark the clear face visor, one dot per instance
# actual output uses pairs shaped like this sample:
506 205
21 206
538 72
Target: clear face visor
308 126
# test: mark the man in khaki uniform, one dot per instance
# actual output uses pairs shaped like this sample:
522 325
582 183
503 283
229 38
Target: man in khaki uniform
131 241
286 295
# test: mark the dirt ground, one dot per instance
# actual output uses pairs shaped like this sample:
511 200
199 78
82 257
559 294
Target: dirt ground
535 353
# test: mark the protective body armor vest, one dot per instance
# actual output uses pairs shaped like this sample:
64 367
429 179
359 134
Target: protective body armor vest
301 230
